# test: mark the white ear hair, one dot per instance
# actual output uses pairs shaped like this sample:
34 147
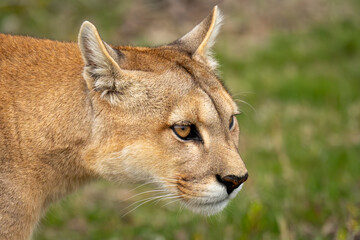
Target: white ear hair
199 41
93 49
205 47
101 71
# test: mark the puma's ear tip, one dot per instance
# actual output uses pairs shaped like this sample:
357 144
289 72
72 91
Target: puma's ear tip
86 22
215 20
216 12
87 33
87 26
215 9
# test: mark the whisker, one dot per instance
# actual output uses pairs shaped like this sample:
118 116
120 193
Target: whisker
144 184
176 200
248 104
241 94
142 203
152 182
152 198
167 198
142 193
135 208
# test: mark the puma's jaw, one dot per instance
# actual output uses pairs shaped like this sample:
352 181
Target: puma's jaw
213 200
204 195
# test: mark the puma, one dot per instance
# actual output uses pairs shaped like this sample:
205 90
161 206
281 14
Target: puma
71 113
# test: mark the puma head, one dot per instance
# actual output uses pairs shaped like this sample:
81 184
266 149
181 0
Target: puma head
162 115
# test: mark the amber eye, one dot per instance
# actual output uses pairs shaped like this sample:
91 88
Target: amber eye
232 122
182 131
186 132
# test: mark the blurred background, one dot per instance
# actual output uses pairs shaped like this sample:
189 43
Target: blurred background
294 68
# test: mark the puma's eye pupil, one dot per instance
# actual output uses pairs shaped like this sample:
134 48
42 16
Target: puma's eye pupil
231 122
182 131
186 132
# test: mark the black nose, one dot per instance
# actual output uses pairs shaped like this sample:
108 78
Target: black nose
231 182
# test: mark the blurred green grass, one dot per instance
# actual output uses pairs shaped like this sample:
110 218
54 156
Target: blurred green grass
301 146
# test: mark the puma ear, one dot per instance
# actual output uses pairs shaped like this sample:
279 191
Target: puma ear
200 39
101 71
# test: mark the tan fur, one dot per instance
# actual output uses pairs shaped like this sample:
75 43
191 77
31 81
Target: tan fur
63 124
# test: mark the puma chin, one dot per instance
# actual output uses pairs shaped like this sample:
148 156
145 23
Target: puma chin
211 201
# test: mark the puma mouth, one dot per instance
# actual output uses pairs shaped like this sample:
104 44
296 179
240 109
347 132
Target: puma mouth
210 204
213 203
207 208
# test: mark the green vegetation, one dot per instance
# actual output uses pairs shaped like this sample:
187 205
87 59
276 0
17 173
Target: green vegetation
301 146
